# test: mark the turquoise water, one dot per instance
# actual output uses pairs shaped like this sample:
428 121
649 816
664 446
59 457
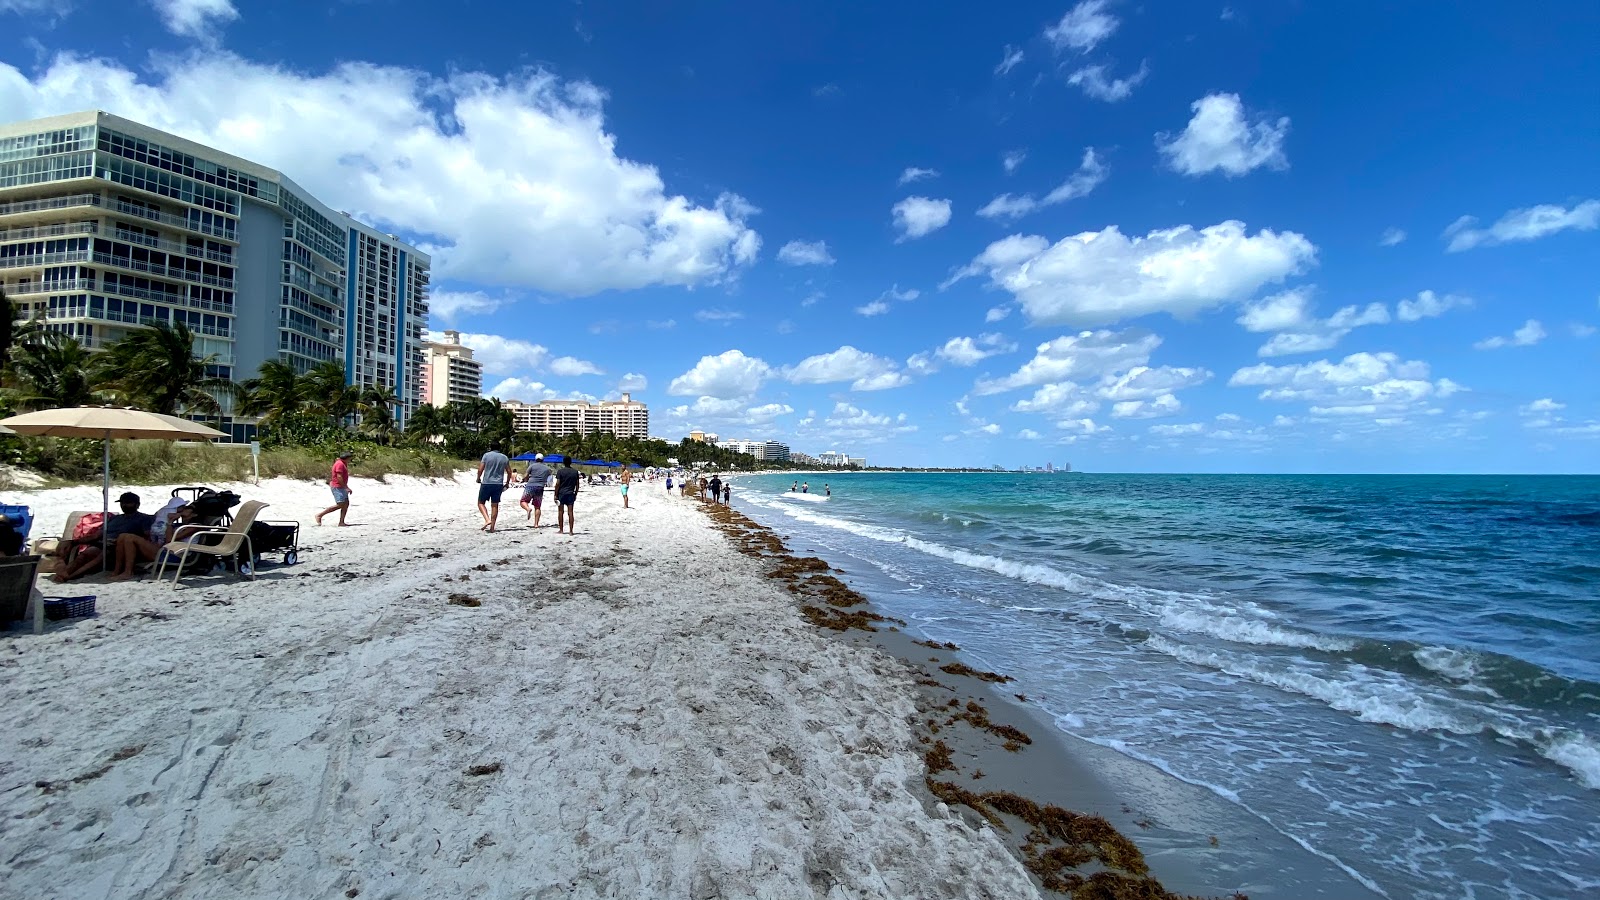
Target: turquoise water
1400 673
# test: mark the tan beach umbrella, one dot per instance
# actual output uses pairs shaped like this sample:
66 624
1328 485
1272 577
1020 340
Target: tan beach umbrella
108 423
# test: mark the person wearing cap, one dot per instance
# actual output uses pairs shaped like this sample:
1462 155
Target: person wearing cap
533 484
339 483
130 522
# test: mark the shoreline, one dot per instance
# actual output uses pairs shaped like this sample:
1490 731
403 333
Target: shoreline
419 709
1194 841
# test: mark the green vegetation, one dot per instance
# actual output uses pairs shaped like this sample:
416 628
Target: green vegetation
305 418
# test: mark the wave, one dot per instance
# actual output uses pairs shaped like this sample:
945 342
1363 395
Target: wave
808 498
1386 698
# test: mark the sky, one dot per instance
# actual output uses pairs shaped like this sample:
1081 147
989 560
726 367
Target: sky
1179 236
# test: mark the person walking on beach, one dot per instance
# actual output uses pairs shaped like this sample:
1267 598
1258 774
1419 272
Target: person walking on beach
567 481
627 477
339 483
669 485
727 491
533 484
492 472
716 488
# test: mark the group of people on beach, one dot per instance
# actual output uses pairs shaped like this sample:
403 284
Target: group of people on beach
122 542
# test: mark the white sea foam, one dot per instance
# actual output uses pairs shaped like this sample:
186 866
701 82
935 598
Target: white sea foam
1458 665
1213 620
808 498
1578 752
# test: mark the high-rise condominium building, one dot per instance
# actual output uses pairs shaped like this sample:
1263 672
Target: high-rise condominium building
449 373
106 225
766 451
626 418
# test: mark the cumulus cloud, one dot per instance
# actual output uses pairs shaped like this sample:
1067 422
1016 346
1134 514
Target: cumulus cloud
1159 407
885 301
523 389
1097 83
875 308
1101 277
996 314
1428 305
477 168
1544 405
501 355
718 316
447 306
1177 430
849 422
1299 331
1011 160
1531 332
727 375
1221 137
1088 354
1360 384
960 351
1090 174
1083 27
571 368
197 19
1528 224
805 253
1391 237
918 216
913 173
865 371
1028 434
1010 58
633 381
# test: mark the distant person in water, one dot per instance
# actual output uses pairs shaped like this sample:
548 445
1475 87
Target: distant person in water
794 487
805 488
827 491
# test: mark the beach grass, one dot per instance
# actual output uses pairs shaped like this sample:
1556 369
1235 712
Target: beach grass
71 461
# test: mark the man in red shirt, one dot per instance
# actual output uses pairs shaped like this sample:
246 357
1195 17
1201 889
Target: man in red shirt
339 482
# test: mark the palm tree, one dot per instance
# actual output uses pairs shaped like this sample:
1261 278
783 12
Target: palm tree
155 367
277 392
328 393
8 326
51 370
427 423
376 404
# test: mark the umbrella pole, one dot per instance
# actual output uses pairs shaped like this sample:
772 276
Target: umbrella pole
105 503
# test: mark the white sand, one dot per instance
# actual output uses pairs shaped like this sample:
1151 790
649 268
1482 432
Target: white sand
665 722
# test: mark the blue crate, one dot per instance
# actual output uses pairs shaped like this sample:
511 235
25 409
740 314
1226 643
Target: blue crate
21 515
57 608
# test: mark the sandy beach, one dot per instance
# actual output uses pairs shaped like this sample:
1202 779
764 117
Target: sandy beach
636 711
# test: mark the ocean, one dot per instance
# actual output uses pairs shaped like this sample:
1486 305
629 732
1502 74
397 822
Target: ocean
1399 673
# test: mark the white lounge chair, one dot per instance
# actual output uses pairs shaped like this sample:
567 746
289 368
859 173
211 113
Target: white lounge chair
227 545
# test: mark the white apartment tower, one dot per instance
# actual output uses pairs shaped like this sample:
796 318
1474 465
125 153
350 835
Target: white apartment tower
625 418
107 225
449 373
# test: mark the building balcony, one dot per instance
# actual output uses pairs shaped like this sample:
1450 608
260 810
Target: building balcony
48 231
49 204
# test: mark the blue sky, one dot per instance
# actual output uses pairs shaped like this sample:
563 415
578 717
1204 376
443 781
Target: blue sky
1170 237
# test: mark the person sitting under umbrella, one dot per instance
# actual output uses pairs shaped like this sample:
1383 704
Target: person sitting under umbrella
129 522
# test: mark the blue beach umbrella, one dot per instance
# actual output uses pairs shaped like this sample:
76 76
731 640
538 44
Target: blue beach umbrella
525 457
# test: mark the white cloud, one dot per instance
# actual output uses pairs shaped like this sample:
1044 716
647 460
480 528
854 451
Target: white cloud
519 389
990 428
728 375
569 367
195 18
1391 237
1083 27
1086 354
1100 277
1220 137
805 253
447 306
1544 405
1177 430
1144 383
1289 314
1028 434
1010 58
633 381
1229 417
1082 426
965 351
1528 224
915 174
875 308
883 303
1580 330
1428 305
724 316
1367 384
1097 84
852 423
997 313
1279 312
866 371
501 355
34 7
708 409
1529 334
1090 174
1164 405
918 216
477 168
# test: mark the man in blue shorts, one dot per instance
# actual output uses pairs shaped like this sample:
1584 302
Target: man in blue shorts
567 481
492 471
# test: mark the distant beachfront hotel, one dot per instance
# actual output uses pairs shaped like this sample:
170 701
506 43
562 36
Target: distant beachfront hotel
766 451
835 458
106 225
449 373
625 418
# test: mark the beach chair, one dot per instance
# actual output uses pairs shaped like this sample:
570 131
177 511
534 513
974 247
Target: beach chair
228 541
16 586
